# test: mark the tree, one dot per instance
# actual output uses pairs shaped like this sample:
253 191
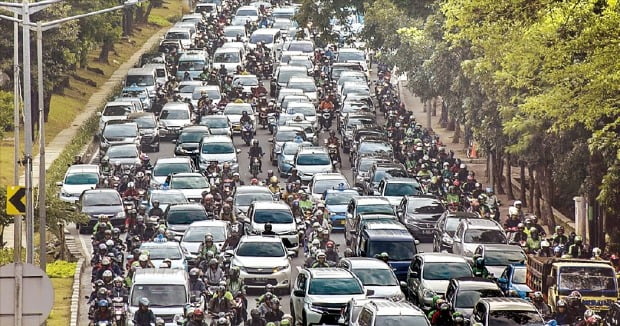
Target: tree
5 219
6 112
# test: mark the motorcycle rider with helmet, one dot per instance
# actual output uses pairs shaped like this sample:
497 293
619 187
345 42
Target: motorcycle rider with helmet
144 316
256 152
195 283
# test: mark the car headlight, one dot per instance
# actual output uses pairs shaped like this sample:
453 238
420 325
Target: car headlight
316 309
447 239
120 215
279 268
397 297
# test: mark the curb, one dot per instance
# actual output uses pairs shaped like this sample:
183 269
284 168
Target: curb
75 296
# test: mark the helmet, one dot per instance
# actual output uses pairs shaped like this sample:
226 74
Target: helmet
102 291
578 239
348 252
109 243
143 258
589 313
521 226
144 302
561 303
107 273
275 300
194 272
118 279
533 230
102 246
105 261
102 303
538 295
575 295
234 271
545 244
596 251
273 179
212 261
321 254
208 237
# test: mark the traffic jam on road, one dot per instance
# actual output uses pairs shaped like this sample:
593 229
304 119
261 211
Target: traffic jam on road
247 175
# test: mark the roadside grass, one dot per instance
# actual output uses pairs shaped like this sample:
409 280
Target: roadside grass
61 311
65 107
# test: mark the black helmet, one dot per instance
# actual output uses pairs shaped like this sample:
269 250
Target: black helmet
268 227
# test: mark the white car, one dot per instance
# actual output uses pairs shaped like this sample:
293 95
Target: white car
247 82
249 12
353 55
279 215
116 110
213 92
186 88
307 109
159 251
78 178
195 234
375 275
231 33
261 261
323 181
312 160
320 294
307 85
172 118
234 111
219 148
192 185
181 34
474 232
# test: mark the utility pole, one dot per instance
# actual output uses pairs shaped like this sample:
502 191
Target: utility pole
28 131
42 189
17 220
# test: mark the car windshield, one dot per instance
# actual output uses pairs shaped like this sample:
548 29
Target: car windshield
503 258
514 317
159 295
308 111
101 199
147 121
167 198
273 216
290 148
282 24
213 94
376 276
288 135
518 277
122 130
375 209
174 115
122 152
300 62
446 271
163 252
335 286
191 137
402 189
261 249
267 38
185 216
218 148
305 47
321 185
116 110
452 224
246 12
306 87
164 169
285 75
484 236
245 81
401 320
398 250
468 299
247 199
177 36
234 32
353 55
226 57
214 123
82 178
194 65
140 80
189 182
340 198
197 233
426 207
587 278
313 159
187 88
236 109
374 147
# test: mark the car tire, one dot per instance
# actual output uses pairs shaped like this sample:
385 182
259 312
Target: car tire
82 230
157 147
292 310
304 320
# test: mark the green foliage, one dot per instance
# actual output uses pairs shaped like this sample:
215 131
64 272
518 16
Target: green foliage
159 21
60 269
6 112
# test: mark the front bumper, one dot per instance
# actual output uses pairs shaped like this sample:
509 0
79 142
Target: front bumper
259 277
338 221
234 167
421 230
170 132
322 315
150 140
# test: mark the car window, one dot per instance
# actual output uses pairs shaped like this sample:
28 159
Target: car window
185 216
274 216
260 249
365 318
333 286
484 236
301 282
446 271
467 299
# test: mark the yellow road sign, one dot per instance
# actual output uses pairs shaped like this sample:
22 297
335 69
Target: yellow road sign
15 200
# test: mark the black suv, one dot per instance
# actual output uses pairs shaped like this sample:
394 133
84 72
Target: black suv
147 126
380 171
443 234
188 140
420 214
96 202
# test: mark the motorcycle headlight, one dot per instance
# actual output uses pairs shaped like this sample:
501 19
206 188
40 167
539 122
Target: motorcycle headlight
120 215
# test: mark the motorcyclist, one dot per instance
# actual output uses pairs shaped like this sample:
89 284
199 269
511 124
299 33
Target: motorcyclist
520 234
321 260
268 230
207 245
576 250
233 238
275 314
534 221
98 230
305 204
479 269
443 316
227 214
214 273
156 210
197 318
533 241
562 316
274 186
384 257
256 319
131 190
221 301
259 91
293 177
99 293
330 252
575 306
326 106
517 209
103 312
559 238
348 253
540 304
119 290
195 283
234 283
144 316
596 254
245 118
256 152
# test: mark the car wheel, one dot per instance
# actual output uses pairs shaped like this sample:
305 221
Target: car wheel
304 320
435 246
292 310
157 148
82 230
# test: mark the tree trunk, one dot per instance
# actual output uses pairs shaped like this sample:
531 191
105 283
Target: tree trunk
544 176
522 195
145 19
531 185
499 167
443 120
105 51
451 124
537 211
508 178
457 132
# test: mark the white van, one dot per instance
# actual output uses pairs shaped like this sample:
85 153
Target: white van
272 37
230 58
142 77
166 289
183 34
161 73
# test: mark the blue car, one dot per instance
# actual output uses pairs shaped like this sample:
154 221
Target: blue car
287 156
512 281
336 202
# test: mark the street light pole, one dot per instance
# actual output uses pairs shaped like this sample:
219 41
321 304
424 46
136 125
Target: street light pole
27 130
42 188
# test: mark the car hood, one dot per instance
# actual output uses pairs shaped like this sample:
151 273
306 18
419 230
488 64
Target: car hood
522 287
93 210
178 228
163 311
160 179
277 228
219 157
394 200
438 286
192 247
385 291
423 218
120 140
77 189
260 262
234 118
188 146
193 193
337 209
175 263
312 169
318 299
175 122
219 131
125 160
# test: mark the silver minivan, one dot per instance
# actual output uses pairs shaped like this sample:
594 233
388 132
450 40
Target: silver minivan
142 77
220 149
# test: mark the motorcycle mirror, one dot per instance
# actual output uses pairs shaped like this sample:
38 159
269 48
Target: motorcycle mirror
238 150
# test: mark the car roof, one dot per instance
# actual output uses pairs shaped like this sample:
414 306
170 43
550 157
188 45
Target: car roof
475 283
166 191
251 189
501 247
367 262
386 224
505 303
173 160
385 307
330 272
440 257
298 79
160 276
175 106
79 168
311 150
264 31
209 223
270 205
259 238
371 200
188 206
152 244
329 176
292 68
187 174
390 233
401 180
197 128
481 223
216 139
100 190
349 50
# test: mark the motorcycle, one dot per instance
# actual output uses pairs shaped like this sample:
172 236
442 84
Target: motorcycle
247 133
262 117
326 119
254 167
119 310
332 150
272 121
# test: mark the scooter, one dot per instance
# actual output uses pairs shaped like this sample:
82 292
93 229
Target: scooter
247 133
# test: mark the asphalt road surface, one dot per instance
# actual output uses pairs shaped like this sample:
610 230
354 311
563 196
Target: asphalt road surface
167 150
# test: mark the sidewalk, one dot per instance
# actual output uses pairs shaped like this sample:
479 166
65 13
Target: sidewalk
414 104
55 147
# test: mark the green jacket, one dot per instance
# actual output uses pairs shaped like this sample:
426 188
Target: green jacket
480 272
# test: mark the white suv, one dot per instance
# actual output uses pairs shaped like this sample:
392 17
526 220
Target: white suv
474 232
261 261
378 312
280 217
320 294
312 160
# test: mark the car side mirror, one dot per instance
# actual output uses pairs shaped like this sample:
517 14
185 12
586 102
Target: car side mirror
403 284
299 293
416 242
270 140
291 253
193 299
99 114
238 150
370 292
413 275
174 141
229 253
457 240
59 184
349 215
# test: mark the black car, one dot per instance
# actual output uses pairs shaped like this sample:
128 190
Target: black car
96 202
117 132
363 166
381 170
188 140
463 293
420 214
370 147
443 234
147 126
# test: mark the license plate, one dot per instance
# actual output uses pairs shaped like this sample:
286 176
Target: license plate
343 222
427 231
258 281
